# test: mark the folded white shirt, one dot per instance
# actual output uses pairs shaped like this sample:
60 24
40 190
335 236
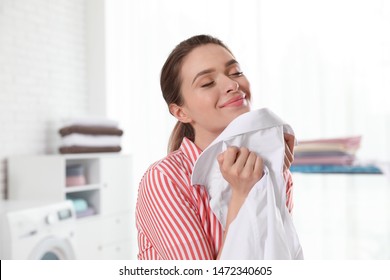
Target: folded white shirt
263 227
78 139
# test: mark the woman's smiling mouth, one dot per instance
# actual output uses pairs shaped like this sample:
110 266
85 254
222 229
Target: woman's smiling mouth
236 101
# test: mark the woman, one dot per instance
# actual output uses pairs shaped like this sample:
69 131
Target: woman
205 89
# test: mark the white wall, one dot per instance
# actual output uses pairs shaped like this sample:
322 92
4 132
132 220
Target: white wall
323 66
140 35
42 73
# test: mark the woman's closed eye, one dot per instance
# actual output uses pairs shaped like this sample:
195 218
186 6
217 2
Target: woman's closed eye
237 74
209 84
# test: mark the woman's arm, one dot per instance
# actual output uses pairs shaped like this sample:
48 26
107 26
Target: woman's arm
169 220
241 168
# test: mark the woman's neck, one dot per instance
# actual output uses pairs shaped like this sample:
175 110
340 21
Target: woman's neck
204 140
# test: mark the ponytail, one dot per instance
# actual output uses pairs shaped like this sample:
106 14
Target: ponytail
180 131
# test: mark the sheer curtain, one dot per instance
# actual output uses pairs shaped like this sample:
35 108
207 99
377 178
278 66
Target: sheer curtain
323 66
140 35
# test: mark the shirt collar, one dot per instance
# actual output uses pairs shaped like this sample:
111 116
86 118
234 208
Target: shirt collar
190 150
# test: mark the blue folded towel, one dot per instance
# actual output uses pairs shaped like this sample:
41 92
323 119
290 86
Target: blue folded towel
79 204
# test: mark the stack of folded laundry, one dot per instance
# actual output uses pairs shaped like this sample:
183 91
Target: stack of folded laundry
81 207
334 155
75 175
90 135
335 151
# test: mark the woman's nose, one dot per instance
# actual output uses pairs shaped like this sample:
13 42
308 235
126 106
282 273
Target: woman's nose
230 85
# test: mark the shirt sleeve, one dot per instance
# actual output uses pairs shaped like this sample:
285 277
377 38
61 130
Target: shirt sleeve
168 221
289 190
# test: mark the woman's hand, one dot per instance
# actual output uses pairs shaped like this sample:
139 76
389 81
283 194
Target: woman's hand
289 141
241 168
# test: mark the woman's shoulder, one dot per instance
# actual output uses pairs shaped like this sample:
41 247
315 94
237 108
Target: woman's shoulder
170 166
170 161
167 176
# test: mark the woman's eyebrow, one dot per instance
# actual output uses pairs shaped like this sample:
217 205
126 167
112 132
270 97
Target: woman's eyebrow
231 62
208 71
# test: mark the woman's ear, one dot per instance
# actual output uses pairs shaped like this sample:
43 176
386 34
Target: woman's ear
179 113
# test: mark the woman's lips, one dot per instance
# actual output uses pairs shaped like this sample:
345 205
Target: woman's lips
234 102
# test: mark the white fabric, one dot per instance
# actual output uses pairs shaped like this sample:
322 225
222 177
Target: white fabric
78 139
263 228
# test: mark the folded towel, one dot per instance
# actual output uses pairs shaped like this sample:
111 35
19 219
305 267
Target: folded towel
325 160
90 130
76 139
74 170
79 204
347 142
84 149
72 181
88 212
345 145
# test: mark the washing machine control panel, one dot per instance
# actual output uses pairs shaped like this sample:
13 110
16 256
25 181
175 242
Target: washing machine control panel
59 215
36 220
64 214
51 218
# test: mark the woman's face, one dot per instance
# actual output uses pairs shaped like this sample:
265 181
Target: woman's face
214 89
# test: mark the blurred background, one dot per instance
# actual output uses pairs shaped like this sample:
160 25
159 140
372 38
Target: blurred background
323 66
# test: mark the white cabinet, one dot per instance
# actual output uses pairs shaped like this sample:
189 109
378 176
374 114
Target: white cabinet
108 231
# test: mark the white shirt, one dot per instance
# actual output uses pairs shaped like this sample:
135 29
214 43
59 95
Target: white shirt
263 228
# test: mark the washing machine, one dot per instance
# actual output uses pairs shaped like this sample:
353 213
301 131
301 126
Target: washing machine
37 230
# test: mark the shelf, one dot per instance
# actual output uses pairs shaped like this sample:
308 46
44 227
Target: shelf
86 203
89 170
100 188
336 169
73 189
82 185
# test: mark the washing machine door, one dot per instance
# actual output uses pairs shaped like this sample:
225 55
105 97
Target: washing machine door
53 248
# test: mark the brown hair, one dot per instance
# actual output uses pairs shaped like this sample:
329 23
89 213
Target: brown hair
170 82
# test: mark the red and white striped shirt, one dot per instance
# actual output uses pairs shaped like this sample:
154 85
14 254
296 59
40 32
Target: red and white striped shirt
173 218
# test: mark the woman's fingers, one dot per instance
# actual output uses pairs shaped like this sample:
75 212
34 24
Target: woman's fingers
241 168
241 159
238 163
288 151
230 155
259 167
289 139
288 157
